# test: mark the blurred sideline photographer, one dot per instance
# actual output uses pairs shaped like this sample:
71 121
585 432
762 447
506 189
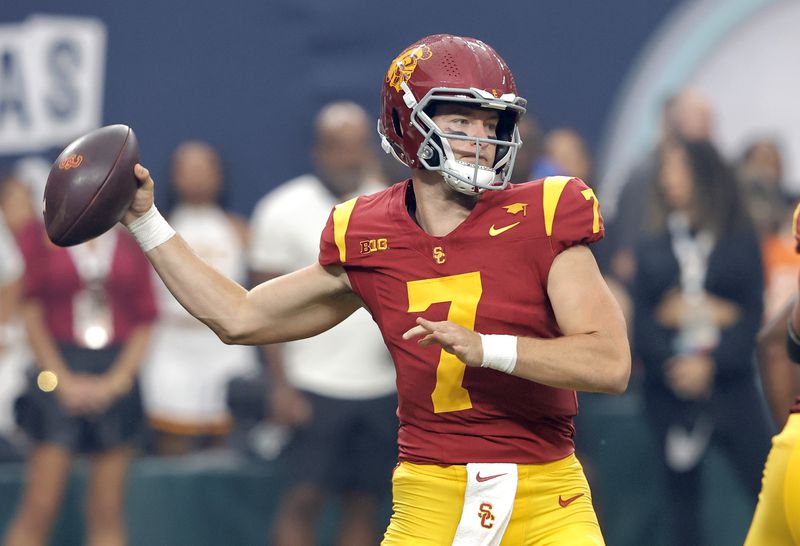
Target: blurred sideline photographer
337 390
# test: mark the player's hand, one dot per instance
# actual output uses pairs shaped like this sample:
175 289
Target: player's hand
144 197
691 377
796 228
455 339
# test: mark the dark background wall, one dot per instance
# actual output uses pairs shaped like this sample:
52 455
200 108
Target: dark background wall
249 76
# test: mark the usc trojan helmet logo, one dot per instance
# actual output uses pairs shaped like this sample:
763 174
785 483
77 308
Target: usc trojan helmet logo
404 65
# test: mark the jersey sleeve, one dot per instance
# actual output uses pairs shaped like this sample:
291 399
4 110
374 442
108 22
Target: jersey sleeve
571 213
332 246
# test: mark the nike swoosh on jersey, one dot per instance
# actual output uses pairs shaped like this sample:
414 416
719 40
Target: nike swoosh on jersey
493 231
481 479
566 502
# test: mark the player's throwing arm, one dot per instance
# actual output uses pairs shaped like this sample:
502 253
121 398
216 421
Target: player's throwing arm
297 305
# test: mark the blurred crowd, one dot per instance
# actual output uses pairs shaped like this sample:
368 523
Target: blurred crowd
699 253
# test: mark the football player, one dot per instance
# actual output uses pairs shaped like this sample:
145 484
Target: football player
486 294
776 521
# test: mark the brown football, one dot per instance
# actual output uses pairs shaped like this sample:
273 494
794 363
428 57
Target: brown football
91 185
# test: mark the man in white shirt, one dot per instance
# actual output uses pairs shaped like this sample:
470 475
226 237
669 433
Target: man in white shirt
338 388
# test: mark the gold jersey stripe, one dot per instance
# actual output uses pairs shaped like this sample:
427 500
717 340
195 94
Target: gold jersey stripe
341 218
553 187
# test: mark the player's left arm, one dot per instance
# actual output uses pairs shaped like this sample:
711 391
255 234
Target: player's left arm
780 377
592 355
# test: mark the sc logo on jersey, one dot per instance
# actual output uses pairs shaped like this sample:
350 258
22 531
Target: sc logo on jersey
374 245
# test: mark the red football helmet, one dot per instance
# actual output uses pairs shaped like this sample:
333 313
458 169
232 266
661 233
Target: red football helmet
445 68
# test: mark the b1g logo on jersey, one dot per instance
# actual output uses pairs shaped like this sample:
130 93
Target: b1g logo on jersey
374 245
485 513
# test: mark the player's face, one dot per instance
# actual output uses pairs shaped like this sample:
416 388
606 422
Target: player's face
468 121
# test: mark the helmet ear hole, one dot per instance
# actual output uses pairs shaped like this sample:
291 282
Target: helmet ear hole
505 131
396 122
434 160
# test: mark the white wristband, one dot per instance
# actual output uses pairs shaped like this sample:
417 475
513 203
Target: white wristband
151 230
499 352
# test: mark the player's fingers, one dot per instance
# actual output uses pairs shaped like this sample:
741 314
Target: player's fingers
143 174
430 324
428 340
441 338
415 331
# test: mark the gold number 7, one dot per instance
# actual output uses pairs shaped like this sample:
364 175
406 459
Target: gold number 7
589 194
463 292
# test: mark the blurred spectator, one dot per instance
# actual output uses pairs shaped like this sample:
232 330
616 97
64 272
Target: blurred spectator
187 370
16 204
685 115
338 388
530 153
16 211
698 305
760 174
780 268
11 269
33 171
12 358
568 152
88 311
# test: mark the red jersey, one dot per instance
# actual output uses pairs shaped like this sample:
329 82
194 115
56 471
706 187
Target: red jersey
489 275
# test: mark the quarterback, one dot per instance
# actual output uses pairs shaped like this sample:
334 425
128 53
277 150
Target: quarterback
486 294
